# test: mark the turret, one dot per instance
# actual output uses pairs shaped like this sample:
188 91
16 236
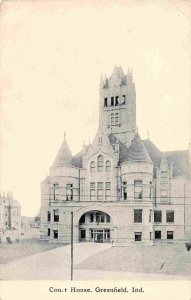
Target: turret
64 155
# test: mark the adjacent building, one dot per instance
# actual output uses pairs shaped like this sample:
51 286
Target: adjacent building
120 188
10 213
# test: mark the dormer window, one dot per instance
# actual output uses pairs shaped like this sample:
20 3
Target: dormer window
112 101
105 102
164 174
116 100
100 163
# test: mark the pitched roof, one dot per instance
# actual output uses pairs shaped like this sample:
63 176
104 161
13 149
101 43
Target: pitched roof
122 148
137 151
154 153
179 161
63 156
76 160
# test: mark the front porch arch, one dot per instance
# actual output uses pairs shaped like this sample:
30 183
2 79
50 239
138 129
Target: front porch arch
87 208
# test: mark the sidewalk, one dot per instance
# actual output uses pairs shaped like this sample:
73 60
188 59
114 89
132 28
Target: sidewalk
50 265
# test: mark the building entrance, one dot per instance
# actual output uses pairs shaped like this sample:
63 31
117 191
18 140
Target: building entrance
100 235
95 226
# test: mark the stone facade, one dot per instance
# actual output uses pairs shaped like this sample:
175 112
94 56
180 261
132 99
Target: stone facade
10 213
119 189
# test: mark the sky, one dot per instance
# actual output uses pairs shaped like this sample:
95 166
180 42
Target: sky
52 56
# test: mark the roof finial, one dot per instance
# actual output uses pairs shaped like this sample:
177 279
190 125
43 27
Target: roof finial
65 136
148 134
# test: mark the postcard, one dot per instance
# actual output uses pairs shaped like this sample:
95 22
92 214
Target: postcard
95 150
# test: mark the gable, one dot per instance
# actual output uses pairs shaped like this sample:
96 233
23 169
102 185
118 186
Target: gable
100 144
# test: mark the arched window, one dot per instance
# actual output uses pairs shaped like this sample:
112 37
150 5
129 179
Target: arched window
108 166
92 167
100 163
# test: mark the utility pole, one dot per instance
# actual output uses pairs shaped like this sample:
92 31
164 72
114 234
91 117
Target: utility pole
184 211
72 250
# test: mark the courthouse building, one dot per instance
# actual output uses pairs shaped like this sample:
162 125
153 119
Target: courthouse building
120 188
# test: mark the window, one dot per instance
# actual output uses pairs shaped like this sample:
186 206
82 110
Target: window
157 235
158 216
100 191
100 163
170 216
55 234
49 216
138 189
137 215
112 101
108 190
69 192
107 218
92 191
116 118
56 215
116 100
107 234
164 174
56 191
125 190
100 140
48 232
170 235
150 215
108 166
112 119
105 101
123 99
92 167
91 217
99 217
138 236
151 190
83 233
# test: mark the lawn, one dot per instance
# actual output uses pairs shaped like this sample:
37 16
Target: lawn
10 252
161 258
